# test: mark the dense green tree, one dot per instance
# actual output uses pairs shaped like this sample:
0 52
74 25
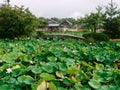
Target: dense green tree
59 20
42 22
16 22
92 21
111 21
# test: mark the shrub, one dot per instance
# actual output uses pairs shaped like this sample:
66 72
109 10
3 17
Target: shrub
89 40
96 37
37 34
16 22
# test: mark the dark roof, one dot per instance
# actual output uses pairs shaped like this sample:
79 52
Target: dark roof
66 23
53 23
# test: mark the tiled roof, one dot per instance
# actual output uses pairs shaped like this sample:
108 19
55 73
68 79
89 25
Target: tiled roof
52 22
53 25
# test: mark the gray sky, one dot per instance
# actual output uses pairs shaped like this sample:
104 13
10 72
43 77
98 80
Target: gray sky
61 8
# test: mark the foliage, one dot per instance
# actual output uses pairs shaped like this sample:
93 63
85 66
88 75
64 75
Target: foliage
59 20
16 22
37 34
7 2
92 21
38 64
108 20
111 21
96 37
42 22
76 33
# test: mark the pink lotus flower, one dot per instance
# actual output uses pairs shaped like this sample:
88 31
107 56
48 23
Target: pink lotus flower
9 70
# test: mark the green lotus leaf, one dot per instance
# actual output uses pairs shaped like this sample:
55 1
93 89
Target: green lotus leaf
79 86
36 70
67 81
25 79
9 57
100 58
109 87
48 68
52 58
47 76
94 84
52 86
59 74
17 72
61 88
72 70
62 66
99 66
5 87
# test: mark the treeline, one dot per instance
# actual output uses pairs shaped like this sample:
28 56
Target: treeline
18 21
43 22
105 18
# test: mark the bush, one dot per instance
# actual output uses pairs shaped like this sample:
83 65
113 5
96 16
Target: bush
96 37
37 34
16 22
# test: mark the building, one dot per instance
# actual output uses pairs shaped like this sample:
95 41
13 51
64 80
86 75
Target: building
66 23
53 25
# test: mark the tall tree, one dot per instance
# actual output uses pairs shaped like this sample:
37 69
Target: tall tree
7 2
92 21
111 21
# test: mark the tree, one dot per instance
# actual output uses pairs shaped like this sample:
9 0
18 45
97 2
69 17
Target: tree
92 21
7 2
59 20
111 21
16 22
42 22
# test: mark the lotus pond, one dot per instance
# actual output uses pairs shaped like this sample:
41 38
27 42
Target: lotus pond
38 64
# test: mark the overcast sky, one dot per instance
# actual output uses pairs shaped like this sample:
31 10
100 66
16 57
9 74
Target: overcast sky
61 8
